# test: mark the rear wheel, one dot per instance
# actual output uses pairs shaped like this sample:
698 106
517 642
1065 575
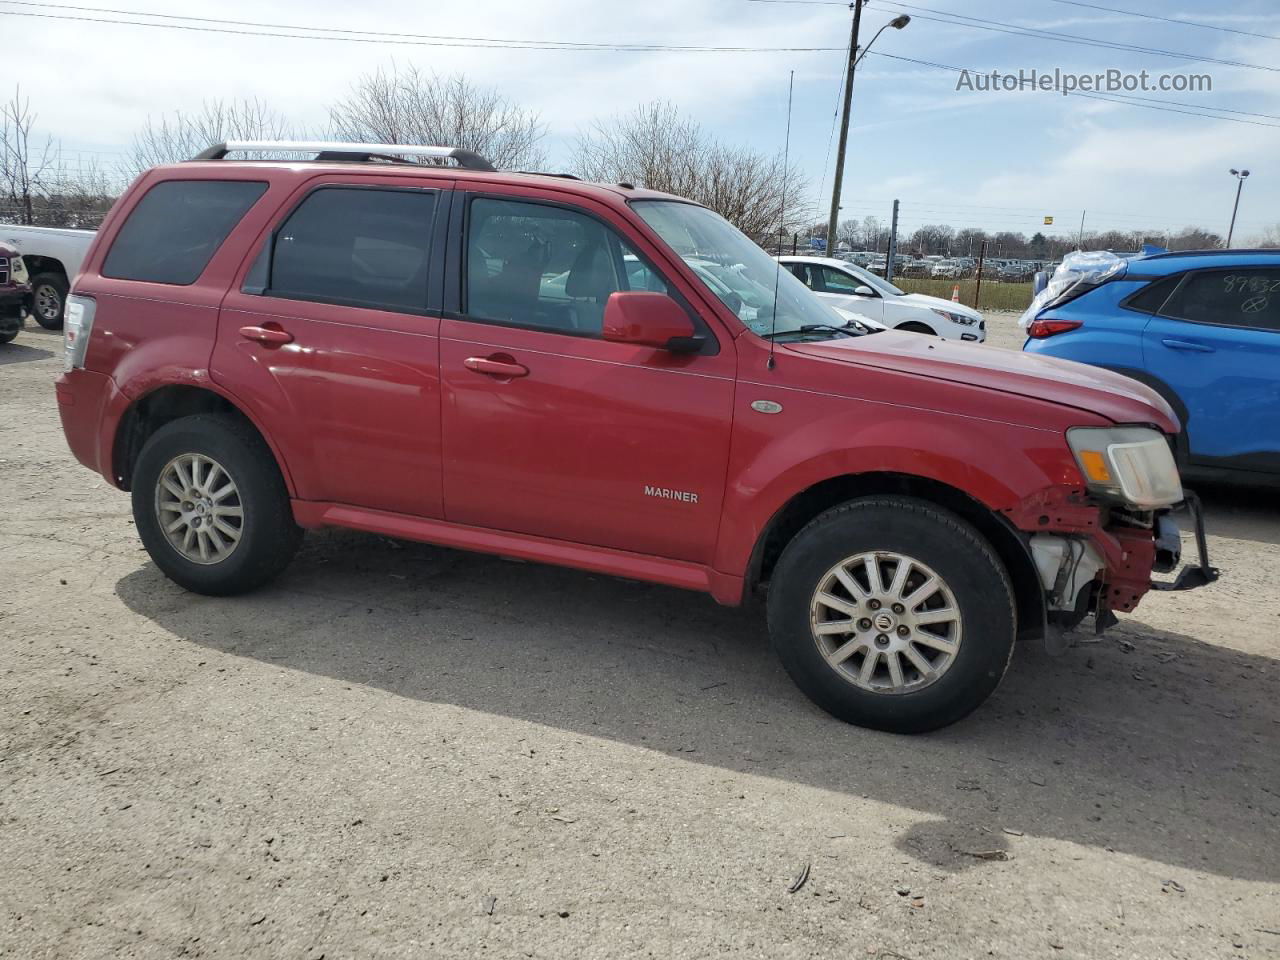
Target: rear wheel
211 506
48 299
892 613
8 336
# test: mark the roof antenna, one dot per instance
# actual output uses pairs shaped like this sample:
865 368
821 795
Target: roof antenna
782 213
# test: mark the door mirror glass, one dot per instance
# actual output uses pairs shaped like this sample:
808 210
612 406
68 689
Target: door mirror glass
650 320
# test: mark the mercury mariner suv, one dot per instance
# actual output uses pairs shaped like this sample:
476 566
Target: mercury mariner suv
402 340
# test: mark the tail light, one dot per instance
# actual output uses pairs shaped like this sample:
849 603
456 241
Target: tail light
76 326
1039 329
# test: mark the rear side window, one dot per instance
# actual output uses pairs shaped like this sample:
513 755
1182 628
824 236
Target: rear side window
1154 295
177 227
1247 298
357 246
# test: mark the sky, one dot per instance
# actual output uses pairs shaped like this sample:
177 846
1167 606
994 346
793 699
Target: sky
998 160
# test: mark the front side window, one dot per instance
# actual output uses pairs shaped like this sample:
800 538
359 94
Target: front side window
176 228
356 246
547 267
835 281
1236 298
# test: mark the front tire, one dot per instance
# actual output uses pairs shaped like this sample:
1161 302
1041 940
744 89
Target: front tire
892 613
211 507
49 299
916 327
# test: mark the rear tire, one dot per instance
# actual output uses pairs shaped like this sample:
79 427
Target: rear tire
242 535
960 632
49 299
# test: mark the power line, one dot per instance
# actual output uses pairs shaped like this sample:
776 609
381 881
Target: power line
373 37
1155 16
1035 33
996 26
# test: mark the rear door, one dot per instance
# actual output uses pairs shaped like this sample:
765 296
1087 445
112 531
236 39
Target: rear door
609 444
1216 343
331 337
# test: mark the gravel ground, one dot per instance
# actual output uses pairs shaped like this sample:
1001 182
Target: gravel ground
402 751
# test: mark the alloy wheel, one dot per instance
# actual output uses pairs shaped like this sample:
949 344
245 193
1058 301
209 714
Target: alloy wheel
199 509
886 622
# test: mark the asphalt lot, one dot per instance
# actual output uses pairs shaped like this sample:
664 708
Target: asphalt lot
403 751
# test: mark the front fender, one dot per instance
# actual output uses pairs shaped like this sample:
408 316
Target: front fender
995 463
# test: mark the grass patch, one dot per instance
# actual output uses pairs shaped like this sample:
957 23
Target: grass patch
995 295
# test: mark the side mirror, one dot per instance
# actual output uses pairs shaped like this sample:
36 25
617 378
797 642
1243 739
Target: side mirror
863 291
1039 281
649 320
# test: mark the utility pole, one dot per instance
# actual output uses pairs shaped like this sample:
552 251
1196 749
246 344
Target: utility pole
1080 242
844 129
893 245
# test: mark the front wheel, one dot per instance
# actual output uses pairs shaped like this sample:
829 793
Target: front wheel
211 506
892 613
915 327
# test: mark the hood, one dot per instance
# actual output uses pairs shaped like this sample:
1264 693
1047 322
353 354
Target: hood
1064 382
924 300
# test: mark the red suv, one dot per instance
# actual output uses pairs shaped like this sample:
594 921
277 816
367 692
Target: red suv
608 378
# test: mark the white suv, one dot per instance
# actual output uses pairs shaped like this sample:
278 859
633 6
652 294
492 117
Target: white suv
852 288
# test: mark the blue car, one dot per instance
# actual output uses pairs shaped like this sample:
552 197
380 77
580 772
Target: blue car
1201 328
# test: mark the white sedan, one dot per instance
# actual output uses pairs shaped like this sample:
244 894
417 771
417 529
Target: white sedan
850 287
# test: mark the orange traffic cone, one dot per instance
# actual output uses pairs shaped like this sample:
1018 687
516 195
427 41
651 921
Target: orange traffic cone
955 293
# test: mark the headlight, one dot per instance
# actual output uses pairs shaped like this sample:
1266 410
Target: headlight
18 270
955 317
1133 464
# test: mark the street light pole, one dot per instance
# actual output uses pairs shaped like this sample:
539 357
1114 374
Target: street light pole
854 58
1241 176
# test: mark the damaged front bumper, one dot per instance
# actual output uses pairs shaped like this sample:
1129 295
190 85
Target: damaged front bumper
1101 569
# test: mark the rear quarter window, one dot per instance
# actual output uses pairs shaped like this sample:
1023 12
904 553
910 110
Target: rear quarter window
176 228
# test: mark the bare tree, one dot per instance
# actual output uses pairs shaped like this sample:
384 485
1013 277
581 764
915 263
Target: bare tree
655 147
406 105
26 166
180 136
1270 238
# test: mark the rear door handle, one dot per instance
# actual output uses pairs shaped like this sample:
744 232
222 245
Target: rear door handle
1187 345
273 336
503 368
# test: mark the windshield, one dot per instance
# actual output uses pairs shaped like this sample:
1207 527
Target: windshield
736 270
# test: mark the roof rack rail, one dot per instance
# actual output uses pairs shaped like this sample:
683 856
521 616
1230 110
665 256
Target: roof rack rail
336 150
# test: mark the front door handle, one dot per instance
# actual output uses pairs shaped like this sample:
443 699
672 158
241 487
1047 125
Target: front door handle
1187 345
273 336
500 367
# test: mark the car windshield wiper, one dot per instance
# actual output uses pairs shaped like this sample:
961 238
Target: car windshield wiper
848 331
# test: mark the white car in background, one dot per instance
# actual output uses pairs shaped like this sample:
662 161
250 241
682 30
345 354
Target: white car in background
849 287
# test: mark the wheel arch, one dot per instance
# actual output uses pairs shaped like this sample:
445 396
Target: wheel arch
1008 543
170 402
37 264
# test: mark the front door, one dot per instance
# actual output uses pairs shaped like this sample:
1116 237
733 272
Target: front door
548 429
331 340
